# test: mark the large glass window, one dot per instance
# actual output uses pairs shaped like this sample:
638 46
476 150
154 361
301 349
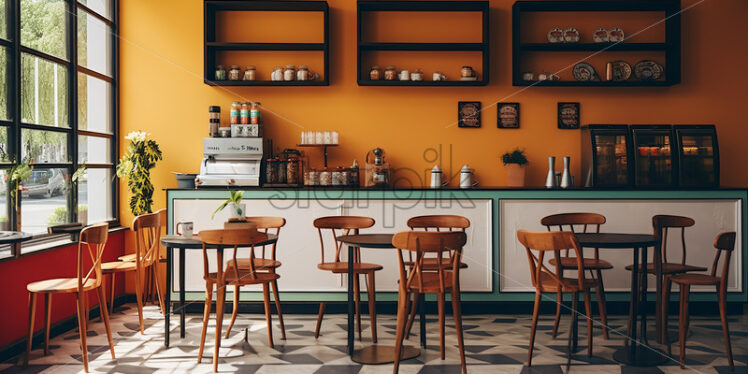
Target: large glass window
59 112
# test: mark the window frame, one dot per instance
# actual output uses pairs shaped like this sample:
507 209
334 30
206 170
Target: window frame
15 126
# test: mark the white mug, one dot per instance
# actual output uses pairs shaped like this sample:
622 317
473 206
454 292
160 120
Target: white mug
187 228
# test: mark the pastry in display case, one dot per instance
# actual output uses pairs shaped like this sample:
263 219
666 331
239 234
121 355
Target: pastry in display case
655 162
698 155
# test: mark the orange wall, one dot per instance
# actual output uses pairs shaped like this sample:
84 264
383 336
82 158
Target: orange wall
162 91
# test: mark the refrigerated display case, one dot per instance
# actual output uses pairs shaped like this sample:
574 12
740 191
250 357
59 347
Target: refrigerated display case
655 161
698 155
606 156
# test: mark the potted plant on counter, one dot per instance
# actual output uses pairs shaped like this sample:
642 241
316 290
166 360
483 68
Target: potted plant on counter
515 162
237 209
135 165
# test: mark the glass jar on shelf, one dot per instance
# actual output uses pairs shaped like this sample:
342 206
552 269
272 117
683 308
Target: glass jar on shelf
390 74
325 177
220 73
303 73
293 166
289 73
271 171
234 73
250 74
375 73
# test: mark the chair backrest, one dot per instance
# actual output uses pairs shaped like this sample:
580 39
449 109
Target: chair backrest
662 223
572 221
439 222
268 225
147 229
93 238
232 238
555 242
423 244
348 225
725 242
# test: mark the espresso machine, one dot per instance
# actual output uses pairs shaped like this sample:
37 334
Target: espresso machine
230 162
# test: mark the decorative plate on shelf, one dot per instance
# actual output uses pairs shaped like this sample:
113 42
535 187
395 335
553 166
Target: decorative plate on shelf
600 35
584 72
648 70
571 35
620 70
555 35
615 35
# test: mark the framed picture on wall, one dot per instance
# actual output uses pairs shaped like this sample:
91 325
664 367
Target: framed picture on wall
468 114
508 115
568 116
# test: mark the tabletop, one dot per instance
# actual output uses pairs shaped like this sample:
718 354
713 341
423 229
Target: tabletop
9 237
175 241
616 241
368 240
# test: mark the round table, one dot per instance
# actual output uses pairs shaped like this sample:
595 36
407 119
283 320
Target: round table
175 241
634 353
374 354
14 238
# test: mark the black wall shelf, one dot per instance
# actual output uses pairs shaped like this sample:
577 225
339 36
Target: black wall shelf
424 6
671 46
212 47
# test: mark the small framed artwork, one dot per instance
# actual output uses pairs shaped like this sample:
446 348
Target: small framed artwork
508 115
468 114
568 116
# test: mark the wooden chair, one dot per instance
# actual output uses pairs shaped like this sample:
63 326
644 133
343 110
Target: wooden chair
437 279
437 223
545 280
265 262
147 229
725 242
593 265
93 238
232 276
150 293
349 225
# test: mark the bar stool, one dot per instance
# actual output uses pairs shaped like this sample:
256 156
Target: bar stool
147 229
232 276
437 223
268 225
437 280
349 225
594 265
725 242
545 280
93 238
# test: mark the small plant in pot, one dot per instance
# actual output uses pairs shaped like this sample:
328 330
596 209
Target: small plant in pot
515 162
237 209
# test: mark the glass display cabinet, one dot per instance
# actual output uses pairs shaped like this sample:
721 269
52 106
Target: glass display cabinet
698 155
606 156
655 160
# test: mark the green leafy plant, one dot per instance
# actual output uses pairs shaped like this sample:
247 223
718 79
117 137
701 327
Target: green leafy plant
16 175
60 215
79 173
516 156
135 165
234 197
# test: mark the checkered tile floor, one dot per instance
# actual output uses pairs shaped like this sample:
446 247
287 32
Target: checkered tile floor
494 344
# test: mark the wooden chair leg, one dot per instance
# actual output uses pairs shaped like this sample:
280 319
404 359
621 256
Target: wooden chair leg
234 312
139 299
574 315
665 313
111 303
588 311
319 319
87 308
559 304
206 317
357 300
220 304
457 311
280 312
683 322
601 303
725 330
32 316
81 304
402 316
47 316
533 326
440 307
156 283
412 316
105 316
372 301
268 315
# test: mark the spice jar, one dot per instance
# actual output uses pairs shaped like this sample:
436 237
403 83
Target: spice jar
214 112
375 73
303 73
289 73
244 114
417 75
234 113
292 170
390 73
271 171
234 73
467 72
280 175
325 178
254 113
250 74
224 132
311 178
220 73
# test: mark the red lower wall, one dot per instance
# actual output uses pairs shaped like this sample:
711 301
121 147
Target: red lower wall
57 263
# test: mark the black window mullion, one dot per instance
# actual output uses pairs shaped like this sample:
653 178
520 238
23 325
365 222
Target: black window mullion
14 98
115 106
72 41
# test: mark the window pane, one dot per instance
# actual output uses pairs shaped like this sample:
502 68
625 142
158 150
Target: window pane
44 200
44 146
4 145
94 104
43 26
4 19
44 96
4 91
94 44
95 196
4 222
94 150
103 7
